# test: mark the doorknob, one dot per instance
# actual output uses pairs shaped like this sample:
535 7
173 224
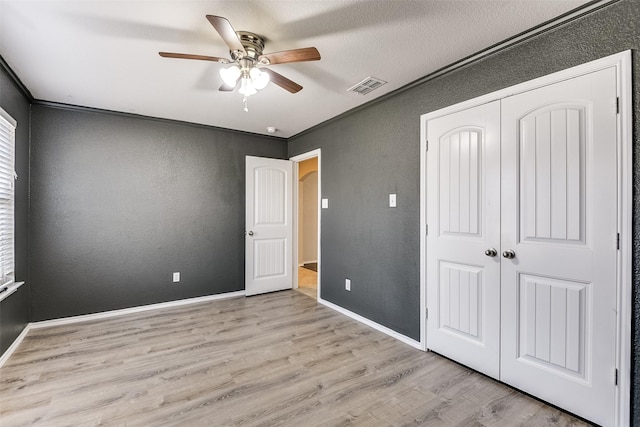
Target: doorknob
491 252
250 233
509 254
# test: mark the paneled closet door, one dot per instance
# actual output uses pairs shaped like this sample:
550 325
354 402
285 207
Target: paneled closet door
559 219
463 213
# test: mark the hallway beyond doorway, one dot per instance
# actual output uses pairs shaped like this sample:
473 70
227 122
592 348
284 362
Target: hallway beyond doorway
308 282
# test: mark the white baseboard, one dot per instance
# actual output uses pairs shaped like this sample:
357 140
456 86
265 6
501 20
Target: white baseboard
7 354
111 313
121 312
139 309
405 339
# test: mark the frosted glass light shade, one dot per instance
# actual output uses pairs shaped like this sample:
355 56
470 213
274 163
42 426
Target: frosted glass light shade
230 75
260 78
246 87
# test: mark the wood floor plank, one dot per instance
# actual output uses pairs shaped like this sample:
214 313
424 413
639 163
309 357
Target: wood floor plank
268 360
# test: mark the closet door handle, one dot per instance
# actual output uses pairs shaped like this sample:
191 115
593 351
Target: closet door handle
509 254
491 252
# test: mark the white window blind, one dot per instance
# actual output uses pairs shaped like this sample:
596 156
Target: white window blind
7 186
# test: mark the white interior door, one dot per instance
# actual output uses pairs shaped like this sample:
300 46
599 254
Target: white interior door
535 177
269 225
559 217
463 214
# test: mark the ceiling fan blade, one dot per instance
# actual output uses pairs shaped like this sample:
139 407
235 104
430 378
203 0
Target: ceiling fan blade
189 56
226 31
225 88
282 81
293 55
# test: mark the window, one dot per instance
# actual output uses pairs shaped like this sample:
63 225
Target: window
7 189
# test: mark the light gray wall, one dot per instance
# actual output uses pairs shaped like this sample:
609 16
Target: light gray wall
309 221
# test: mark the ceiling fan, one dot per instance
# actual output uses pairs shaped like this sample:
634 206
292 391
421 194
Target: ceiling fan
249 63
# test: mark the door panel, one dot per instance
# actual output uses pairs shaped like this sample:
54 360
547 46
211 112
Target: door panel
559 216
459 189
269 225
459 304
552 173
463 284
552 326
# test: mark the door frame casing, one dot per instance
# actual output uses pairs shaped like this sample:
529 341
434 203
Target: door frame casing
296 160
622 62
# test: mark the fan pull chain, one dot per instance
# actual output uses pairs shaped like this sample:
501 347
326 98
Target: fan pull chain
246 104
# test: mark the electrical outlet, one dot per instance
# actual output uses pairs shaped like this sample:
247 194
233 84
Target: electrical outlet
392 200
176 277
347 284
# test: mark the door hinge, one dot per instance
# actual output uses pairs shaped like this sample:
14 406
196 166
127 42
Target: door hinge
616 377
426 313
426 230
618 241
618 105
427 145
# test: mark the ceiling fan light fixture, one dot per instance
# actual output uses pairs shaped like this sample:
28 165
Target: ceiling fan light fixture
259 78
252 81
247 87
246 51
230 75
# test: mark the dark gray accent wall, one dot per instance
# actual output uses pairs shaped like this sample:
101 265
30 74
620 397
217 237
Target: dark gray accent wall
14 311
365 157
119 203
375 151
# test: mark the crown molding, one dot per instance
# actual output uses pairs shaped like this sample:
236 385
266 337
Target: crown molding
548 26
4 66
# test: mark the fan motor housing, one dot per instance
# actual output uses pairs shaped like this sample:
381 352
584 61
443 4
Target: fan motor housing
253 44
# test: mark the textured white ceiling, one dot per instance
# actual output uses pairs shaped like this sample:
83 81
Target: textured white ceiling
104 54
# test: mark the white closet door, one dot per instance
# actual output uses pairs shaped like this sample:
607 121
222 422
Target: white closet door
463 213
559 217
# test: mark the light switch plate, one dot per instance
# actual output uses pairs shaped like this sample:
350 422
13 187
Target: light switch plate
392 200
347 284
325 203
176 277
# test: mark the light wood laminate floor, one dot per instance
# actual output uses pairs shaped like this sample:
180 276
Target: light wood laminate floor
275 359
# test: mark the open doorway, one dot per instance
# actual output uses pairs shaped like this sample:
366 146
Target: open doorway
307 232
